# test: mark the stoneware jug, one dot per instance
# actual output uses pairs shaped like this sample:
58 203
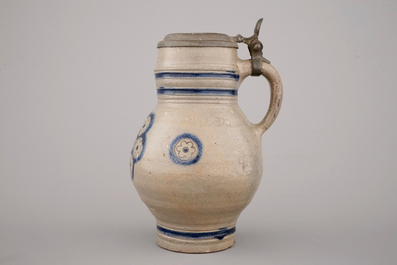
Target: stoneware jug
197 160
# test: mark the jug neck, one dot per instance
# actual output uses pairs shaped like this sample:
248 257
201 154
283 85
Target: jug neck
197 71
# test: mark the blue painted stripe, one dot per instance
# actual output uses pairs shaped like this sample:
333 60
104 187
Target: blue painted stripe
227 75
220 234
196 91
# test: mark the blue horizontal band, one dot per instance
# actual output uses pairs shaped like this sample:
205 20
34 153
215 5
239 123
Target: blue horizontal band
227 75
220 234
197 91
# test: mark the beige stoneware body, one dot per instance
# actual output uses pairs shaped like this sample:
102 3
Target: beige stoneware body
197 161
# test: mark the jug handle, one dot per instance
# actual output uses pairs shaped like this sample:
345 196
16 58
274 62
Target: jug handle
276 92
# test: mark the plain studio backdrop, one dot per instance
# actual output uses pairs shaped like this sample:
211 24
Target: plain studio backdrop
76 84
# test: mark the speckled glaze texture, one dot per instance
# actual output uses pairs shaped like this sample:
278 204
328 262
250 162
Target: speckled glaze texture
197 160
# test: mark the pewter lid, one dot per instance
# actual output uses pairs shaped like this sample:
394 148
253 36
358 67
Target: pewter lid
197 40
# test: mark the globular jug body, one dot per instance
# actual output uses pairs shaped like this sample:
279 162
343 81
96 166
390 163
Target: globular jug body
197 160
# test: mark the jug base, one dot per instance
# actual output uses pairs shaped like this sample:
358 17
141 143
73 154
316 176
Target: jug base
181 242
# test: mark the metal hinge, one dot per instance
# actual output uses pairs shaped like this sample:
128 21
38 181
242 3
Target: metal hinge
255 47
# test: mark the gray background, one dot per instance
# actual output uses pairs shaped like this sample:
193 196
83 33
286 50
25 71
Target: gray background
76 84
